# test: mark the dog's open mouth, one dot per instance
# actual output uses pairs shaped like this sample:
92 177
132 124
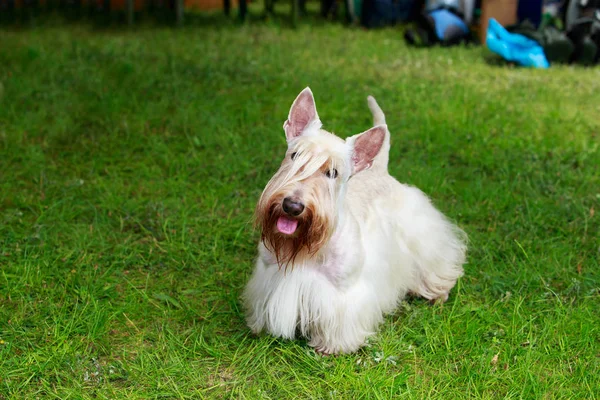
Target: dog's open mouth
286 225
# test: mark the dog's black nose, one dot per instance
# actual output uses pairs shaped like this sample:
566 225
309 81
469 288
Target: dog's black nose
291 207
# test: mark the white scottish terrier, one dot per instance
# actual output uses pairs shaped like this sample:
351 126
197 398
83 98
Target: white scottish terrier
343 241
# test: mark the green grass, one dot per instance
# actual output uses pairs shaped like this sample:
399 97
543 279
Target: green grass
130 163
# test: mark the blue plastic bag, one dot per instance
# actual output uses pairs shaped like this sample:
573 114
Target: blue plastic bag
514 47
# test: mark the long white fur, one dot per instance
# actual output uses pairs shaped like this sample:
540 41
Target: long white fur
389 240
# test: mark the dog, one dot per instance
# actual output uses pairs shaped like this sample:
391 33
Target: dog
342 241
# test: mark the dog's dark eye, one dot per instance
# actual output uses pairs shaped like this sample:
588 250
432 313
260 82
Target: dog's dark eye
294 155
332 173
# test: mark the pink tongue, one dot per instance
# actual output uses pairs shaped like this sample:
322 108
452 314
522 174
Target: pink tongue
287 225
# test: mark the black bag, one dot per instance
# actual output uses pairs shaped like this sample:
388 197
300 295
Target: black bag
583 29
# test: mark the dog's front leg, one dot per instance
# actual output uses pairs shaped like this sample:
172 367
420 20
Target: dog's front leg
346 321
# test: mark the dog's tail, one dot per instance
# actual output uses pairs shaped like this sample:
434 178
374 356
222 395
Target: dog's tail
378 116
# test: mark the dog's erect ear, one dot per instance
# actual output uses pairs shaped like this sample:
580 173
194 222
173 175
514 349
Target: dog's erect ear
302 114
366 146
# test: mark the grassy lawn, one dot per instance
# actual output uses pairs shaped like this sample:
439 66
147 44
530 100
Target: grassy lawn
130 163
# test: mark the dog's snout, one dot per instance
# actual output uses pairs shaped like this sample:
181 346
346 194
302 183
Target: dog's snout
292 207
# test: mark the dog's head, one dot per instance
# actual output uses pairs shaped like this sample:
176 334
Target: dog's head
299 208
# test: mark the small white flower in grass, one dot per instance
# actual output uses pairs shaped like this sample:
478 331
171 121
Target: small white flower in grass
392 360
378 357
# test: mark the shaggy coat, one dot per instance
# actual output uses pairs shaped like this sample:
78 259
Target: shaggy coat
342 241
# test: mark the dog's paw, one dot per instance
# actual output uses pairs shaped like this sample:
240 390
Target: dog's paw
321 348
439 300
324 351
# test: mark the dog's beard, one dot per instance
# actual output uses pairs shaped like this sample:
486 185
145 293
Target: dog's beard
311 234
